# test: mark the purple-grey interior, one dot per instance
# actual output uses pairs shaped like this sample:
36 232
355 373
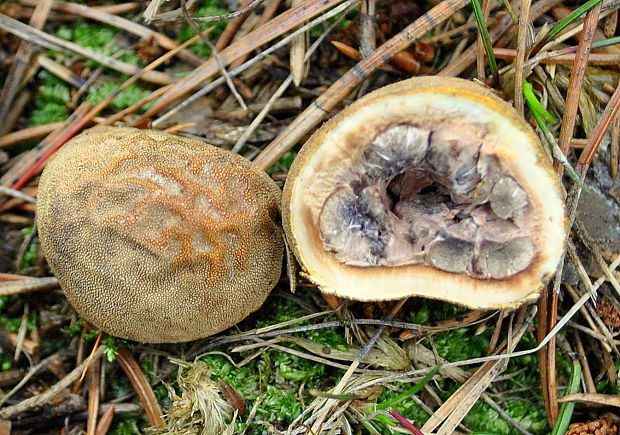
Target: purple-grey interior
427 195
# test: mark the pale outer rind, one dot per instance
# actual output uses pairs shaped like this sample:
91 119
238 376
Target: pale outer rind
333 147
156 237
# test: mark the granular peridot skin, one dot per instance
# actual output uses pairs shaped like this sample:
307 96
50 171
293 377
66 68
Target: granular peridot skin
156 237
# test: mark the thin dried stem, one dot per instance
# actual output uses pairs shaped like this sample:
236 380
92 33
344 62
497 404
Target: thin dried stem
46 40
21 63
33 402
110 19
215 55
607 117
94 383
141 385
319 109
576 80
522 48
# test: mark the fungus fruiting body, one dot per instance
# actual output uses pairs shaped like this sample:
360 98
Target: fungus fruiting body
430 187
156 237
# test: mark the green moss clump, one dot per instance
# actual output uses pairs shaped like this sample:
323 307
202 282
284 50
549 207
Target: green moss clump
409 409
279 405
51 100
125 424
483 418
127 98
206 8
284 164
461 344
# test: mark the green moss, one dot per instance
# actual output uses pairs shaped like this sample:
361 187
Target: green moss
125 424
284 164
427 311
461 344
295 369
485 419
97 37
50 101
407 408
6 363
278 404
47 114
328 337
206 8
127 98
30 255
74 328
245 380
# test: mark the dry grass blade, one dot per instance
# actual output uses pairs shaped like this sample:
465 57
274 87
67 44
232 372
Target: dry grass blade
458 405
46 40
607 117
27 285
141 385
522 48
12 411
122 24
20 65
576 80
105 421
274 28
94 383
595 399
310 117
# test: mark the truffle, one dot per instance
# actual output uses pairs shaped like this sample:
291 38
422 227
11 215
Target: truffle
429 187
156 237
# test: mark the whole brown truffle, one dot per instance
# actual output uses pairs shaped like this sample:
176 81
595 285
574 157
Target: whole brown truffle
431 187
156 237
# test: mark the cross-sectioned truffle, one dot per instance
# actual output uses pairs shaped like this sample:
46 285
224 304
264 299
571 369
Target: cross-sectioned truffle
429 187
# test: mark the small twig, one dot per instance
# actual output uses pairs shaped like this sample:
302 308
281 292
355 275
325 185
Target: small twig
607 116
49 41
576 80
284 41
94 381
141 385
27 285
232 27
110 19
319 109
12 411
215 54
522 48
281 89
